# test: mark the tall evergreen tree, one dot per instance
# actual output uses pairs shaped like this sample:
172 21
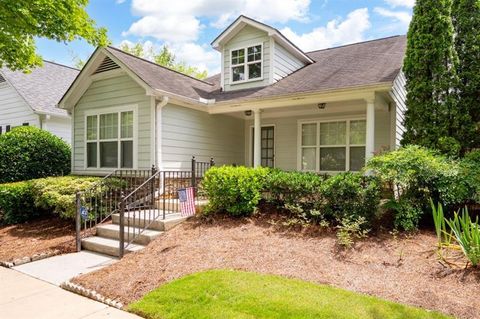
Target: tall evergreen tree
466 22
430 68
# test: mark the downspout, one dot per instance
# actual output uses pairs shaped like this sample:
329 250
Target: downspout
158 130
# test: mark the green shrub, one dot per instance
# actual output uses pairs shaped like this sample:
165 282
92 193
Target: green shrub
57 194
417 174
22 201
351 196
27 152
290 187
17 203
470 171
235 190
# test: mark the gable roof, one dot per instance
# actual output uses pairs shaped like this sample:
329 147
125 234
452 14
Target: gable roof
161 78
43 87
243 21
355 65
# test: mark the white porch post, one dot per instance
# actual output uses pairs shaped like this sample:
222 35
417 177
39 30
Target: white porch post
370 134
257 138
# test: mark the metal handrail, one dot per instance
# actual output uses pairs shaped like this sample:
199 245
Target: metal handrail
141 186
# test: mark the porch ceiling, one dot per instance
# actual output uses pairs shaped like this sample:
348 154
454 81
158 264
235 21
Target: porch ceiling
352 107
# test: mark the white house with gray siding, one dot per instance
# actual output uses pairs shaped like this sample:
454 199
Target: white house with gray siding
271 105
31 98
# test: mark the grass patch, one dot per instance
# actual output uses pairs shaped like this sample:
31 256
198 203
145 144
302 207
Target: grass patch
235 294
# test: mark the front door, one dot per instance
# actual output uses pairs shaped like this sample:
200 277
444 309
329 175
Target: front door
268 146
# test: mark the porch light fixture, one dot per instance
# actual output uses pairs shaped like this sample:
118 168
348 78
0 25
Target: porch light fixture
322 106
248 113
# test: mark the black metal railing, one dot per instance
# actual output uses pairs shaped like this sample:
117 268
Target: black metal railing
140 197
96 204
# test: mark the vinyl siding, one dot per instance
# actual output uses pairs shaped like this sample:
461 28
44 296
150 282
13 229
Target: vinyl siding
14 111
286 134
399 96
248 36
284 63
114 92
383 130
61 127
187 133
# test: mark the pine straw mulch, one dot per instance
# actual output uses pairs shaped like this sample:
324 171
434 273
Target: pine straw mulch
36 237
400 268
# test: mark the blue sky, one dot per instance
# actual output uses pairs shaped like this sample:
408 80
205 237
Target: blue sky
188 26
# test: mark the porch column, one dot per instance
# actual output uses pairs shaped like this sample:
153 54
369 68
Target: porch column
257 138
370 134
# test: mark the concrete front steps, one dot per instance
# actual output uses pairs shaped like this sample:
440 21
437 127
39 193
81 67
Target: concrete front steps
106 239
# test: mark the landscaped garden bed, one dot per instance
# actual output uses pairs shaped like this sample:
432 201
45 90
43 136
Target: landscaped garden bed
401 268
36 239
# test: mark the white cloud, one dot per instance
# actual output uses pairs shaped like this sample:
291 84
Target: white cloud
168 28
201 56
403 17
180 22
401 3
120 1
336 32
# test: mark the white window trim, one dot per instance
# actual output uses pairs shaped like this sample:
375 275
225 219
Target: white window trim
317 146
116 109
246 64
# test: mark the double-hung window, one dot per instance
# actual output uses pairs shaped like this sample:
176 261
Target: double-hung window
246 64
110 140
333 146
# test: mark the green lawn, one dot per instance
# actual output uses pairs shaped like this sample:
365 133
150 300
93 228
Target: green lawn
235 294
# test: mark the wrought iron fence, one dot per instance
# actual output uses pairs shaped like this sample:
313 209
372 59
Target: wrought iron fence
140 197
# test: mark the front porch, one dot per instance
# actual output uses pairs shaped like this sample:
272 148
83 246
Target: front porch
325 137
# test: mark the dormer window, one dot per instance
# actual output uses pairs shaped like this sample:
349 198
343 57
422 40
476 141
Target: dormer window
247 64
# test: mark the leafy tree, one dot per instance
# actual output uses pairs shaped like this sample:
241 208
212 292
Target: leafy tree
61 20
430 68
466 22
165 58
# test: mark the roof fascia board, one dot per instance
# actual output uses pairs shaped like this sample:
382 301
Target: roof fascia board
18 92
81 82
291 48
242 21
344 94
85 78
63 116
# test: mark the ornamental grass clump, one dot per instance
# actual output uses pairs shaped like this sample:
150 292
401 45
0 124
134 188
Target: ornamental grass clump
457 233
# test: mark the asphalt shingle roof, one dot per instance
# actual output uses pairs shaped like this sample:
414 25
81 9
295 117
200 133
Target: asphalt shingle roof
360 64
161 78
354 65
43 88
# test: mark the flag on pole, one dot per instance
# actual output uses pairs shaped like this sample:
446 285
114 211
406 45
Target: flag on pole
186 197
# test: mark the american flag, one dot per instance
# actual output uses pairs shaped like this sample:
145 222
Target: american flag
187 201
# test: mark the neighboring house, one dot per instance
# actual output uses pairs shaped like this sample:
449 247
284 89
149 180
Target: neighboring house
272 105
31 98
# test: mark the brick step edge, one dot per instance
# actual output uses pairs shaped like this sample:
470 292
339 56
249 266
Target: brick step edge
91 294
26 260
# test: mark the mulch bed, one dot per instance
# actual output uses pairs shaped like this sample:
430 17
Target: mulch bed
398 267
36 237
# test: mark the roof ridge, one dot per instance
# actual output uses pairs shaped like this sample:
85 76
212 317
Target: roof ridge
62 65
357 43
162 66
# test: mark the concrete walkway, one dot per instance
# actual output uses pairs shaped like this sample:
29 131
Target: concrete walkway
24 297
59 269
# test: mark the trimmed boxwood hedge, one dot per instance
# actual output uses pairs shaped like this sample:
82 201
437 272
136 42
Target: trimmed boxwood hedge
26 200
28 152
238 190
